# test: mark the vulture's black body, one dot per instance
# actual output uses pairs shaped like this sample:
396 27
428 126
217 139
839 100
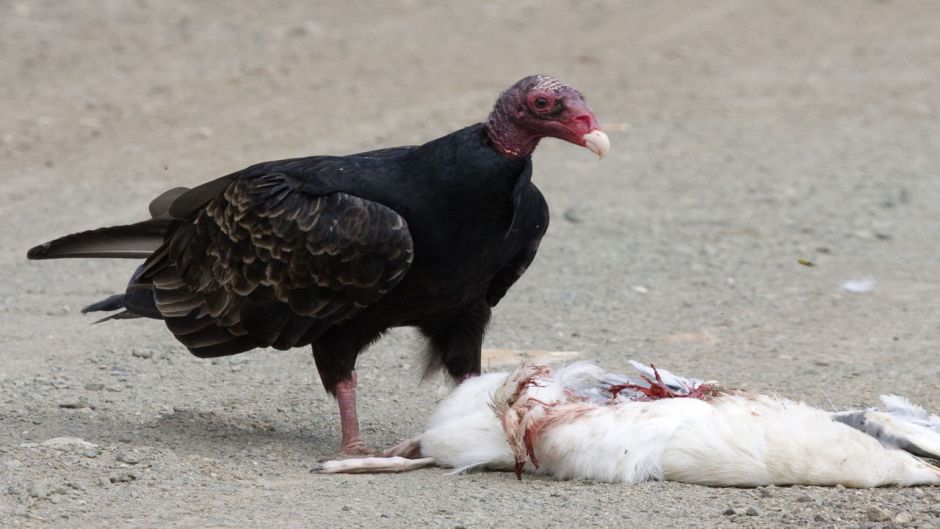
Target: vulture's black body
333 251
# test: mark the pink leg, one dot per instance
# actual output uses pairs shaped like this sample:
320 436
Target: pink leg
349 422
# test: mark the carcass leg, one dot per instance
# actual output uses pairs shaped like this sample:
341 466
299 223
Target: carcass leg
367 465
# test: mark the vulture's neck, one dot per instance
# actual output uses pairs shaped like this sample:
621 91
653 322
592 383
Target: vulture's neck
508 138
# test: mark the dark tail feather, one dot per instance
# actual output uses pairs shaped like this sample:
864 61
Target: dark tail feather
132 241
123 315
137 301
112 303
115 302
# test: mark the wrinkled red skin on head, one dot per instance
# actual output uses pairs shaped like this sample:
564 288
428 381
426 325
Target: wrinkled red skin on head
518 121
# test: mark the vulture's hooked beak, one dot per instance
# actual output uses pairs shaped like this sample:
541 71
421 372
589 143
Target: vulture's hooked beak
597 142
585 130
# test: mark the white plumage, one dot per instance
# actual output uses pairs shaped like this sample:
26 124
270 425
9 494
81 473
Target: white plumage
581 422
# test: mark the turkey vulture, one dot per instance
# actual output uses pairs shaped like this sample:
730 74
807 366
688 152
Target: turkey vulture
582 422
332 251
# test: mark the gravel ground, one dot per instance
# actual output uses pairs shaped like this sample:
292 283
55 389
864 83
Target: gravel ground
746 136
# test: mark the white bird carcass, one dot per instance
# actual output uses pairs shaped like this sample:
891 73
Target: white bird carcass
582 422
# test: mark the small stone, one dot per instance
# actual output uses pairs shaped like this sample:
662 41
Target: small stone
104 481
819 518
877 514
804 498
42 488
729 511
78 484
94 386
91 452
75 404
142 353
124 477
573 216
68 443
128 457
903 517
752 511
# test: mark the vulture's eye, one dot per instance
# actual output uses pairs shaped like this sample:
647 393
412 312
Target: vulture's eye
541 103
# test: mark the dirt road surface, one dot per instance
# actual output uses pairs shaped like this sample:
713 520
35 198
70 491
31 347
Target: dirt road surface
746 136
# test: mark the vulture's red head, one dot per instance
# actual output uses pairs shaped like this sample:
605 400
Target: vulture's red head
541 106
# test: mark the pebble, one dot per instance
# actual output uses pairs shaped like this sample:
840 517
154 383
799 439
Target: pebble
903 517
573 216
877 514
75 404
752 511
91 452
68 443
123 477
128 457
42 488
78 484
94 386
142 353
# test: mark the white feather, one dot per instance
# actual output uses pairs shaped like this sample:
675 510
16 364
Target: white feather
463 432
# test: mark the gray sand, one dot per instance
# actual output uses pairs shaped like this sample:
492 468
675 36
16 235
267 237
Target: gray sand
746 136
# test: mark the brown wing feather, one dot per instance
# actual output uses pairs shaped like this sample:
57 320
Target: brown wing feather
267 261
